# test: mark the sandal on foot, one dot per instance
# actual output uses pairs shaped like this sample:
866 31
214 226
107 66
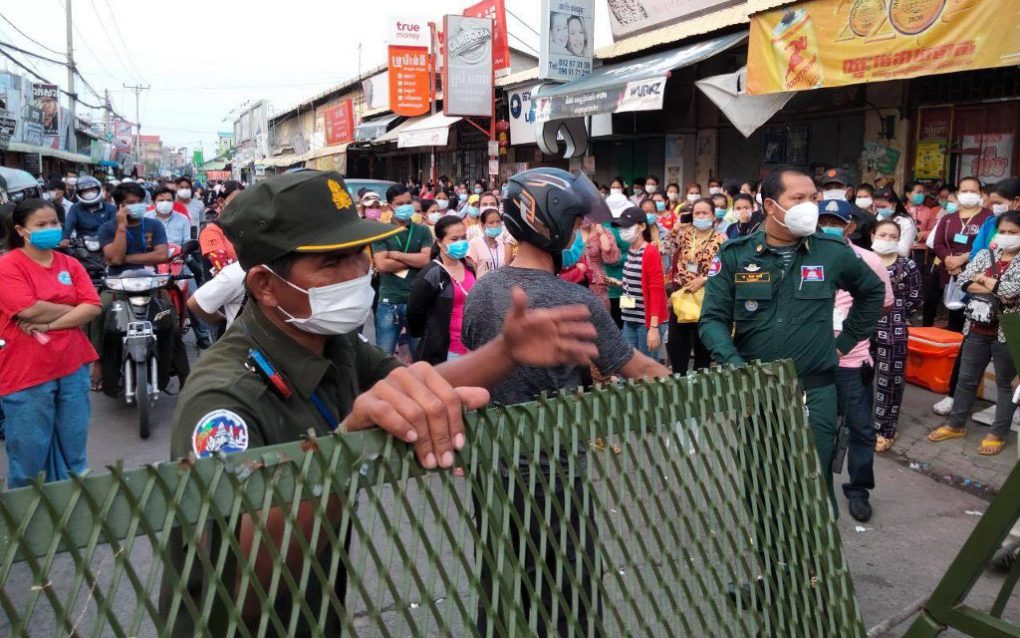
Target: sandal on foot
882 443
991 445
944 433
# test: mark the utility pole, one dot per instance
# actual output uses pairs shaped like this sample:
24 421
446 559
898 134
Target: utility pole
138 88
106 116
72 140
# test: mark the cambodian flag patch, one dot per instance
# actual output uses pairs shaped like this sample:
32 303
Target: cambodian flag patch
715 267
812 273
219 431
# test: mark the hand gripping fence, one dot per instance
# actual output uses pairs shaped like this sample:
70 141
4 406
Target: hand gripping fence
678 507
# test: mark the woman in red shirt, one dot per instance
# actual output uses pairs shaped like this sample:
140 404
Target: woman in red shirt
44 363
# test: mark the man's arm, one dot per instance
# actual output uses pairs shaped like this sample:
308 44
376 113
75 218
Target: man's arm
159 255
642 366
70 222
215 316
868 293
716 324
384 263
116 250
412 260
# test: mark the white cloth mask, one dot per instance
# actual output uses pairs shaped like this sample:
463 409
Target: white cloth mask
834 193
864 202
184 193
884 246
337 309
629 234
969 200
1008 243
164 207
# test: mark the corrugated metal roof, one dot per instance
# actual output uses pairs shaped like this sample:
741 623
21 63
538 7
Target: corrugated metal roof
676 32
527 75
339 88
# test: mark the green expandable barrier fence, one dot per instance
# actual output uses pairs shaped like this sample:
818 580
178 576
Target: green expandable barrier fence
679 507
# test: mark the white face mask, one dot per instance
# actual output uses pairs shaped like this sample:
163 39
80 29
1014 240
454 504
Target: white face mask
693 197
434 217
1009 243
714 190
801 220
969 200
443 203
629 234
998 209
164 207
184 193
650 189
834 193
672 196
884 246
49 195
70 181
864 202
616 191
337 309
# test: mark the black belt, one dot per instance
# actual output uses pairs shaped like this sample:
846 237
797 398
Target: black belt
819 380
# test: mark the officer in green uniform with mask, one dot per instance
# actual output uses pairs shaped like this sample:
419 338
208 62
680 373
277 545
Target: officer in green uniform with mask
770 295
293 361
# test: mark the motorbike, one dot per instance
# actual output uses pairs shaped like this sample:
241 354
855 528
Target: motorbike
137 314
88 253
178 290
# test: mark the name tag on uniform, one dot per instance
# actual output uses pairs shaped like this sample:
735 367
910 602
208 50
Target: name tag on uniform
752 277
628 302
692 267
960 238
401 273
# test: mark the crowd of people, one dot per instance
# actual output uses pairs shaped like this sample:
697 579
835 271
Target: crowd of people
937 248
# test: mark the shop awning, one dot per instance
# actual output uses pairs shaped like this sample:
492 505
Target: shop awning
394 134
819 43
434 130
18 147
635 85
371 129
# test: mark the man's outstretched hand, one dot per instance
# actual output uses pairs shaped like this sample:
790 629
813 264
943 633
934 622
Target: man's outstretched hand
550 336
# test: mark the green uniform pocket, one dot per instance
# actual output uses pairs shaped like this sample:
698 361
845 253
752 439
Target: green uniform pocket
813 302
751 300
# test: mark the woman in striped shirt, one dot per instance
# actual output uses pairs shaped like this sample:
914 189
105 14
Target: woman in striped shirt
643 304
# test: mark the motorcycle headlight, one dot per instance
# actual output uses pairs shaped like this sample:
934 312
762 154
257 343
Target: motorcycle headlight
139 301
115 284
92 245
137 284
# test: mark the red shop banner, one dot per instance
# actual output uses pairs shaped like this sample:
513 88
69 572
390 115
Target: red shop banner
496 10
338 121
409 80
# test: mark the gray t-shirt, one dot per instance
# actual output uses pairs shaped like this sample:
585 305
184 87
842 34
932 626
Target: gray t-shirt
486 309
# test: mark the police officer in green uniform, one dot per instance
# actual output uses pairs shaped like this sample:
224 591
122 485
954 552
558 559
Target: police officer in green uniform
771 294
293 361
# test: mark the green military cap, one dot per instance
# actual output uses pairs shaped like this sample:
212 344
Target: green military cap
306 211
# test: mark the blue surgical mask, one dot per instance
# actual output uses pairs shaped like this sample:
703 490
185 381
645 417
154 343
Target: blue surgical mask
917 199
404 212
573 254
952 207
462 197
137 211
884 212
46 238
835 231
478 190
458 249
494 231
652 218
660 206
443 204
720 213
700 223
473 211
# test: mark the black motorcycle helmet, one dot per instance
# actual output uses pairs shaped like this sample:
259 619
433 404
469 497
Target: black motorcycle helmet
543 204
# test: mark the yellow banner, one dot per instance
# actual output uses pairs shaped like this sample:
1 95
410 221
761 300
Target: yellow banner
824 43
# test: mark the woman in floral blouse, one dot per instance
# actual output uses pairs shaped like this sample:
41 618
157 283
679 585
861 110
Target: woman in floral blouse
891 333
600 248
992 279
695 247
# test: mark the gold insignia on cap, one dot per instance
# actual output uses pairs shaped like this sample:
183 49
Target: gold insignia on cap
341 198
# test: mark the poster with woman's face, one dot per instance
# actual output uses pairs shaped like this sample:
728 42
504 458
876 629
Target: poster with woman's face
570 35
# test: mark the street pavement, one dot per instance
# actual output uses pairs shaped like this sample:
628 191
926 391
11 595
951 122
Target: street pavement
926 502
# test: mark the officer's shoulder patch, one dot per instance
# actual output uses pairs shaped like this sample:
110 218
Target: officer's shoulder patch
715 266
219 431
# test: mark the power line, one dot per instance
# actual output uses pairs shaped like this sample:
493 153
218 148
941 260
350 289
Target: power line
524 22
30 38
34 55
523 43
116 28
15 60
